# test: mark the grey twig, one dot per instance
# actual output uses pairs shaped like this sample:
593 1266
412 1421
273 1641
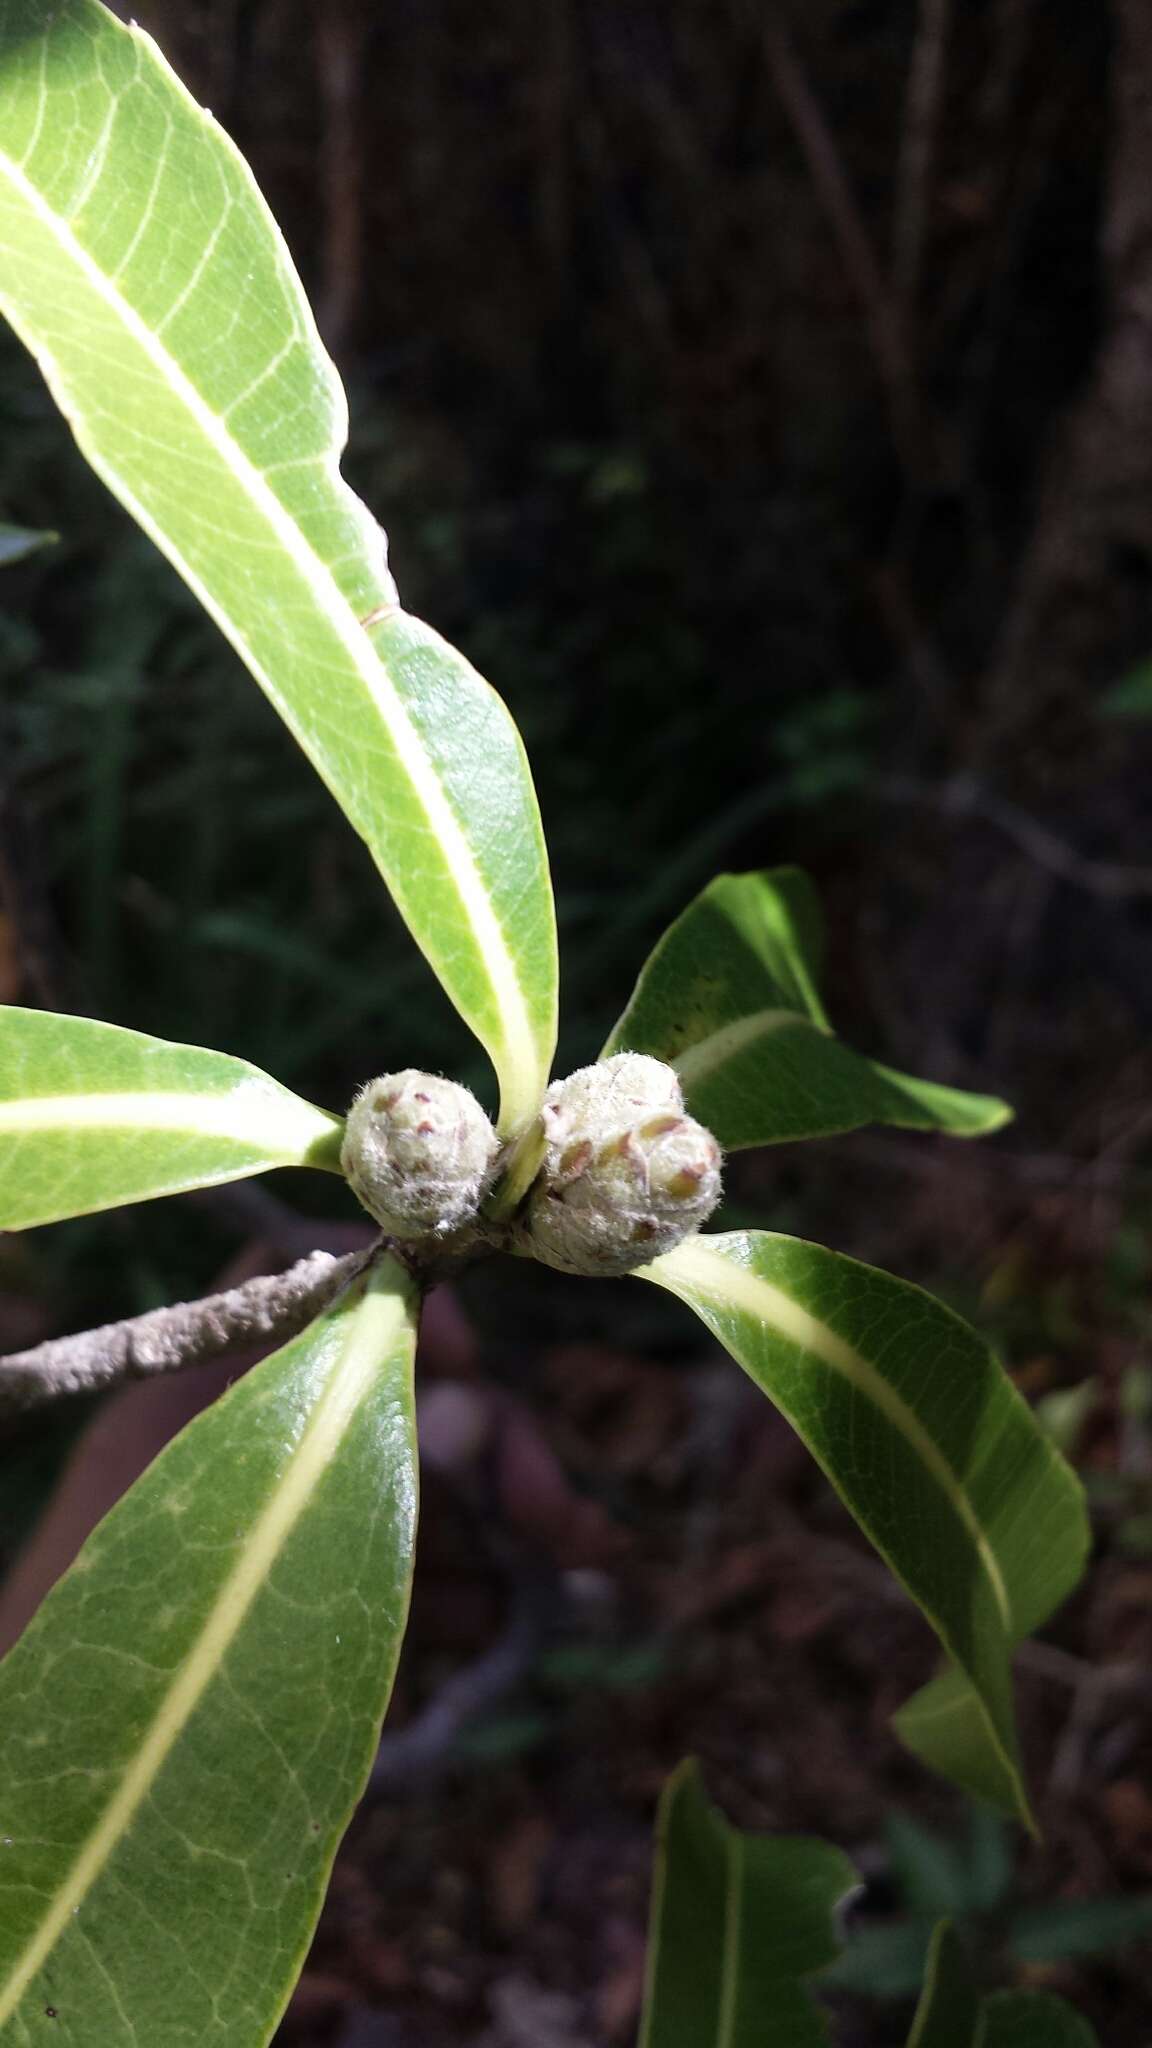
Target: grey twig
273 1306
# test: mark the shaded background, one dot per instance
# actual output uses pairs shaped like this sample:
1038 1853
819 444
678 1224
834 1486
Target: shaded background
762 398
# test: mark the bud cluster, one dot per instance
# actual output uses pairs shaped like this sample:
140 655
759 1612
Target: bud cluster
418 1153
627 1173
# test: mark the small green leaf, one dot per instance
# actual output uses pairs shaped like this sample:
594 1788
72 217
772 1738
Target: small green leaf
729 997
17 542
1063 1928
1033 2019
922 1435
945 1725
188 1721
92 1115
930 1870
886 1959
1131 697
738 1923
948 2015
143 269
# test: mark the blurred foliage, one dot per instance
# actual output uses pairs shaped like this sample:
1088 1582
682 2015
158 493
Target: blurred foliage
969 1880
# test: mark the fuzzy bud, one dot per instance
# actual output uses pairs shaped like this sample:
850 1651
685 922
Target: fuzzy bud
418 1153
627 1174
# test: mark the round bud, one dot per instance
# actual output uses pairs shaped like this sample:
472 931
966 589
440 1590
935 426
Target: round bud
627 1174
596 1104
418 1153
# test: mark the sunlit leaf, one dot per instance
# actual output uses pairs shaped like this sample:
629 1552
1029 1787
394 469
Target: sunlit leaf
140 264
922 1435
739 1922
729 997
91 1116
186 1724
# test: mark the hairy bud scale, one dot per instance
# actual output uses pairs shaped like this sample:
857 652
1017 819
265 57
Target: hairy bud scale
627 1173
418 1153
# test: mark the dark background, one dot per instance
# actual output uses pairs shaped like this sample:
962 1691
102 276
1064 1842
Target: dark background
762 398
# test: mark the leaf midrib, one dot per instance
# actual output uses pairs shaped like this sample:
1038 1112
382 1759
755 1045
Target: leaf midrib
769 1303
291 1126
373 1328
487 929
700 1061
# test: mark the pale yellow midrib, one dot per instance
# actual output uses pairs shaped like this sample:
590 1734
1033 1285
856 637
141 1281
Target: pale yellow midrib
372 1330
698 1061
519 1042
720 1277
280 1127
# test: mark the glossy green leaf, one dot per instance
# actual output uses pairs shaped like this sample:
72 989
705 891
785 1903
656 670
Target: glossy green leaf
17 542
91 1116
188 1721
739 1922
729 997
922 1435
948 2015
140 264
1033 2019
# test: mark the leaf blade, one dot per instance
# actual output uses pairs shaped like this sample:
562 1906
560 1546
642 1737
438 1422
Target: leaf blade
1034 2019
729 996
739 1922
948 2013
92 1115
918 1429
135 241
171 1884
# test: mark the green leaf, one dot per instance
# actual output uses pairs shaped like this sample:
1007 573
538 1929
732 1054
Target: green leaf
729 997
738 1923
1033 2019
945 1725
886 1959
1131 697
16 542
91 1116
948 2015
920 1432
1064 1928
143 269
930 1870
988 1860
188 1721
